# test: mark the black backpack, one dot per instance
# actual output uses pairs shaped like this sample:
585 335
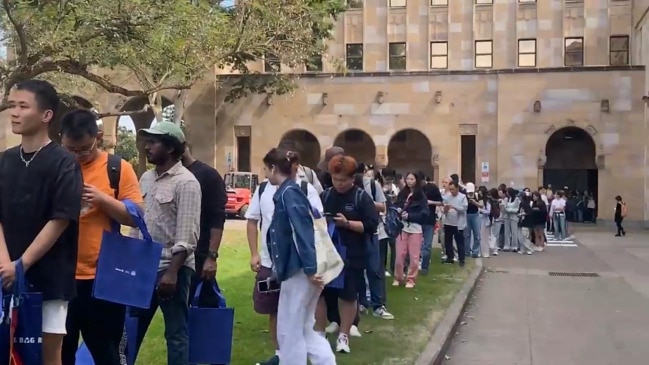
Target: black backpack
114 169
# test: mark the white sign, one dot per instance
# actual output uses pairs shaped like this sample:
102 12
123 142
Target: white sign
484 172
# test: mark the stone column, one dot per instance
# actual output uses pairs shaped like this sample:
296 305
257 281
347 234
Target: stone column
110 133
381 159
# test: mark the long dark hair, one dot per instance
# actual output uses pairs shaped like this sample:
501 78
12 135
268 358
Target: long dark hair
513 193
417 191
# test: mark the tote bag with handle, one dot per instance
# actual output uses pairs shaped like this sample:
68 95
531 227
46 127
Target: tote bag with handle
127 269
211 325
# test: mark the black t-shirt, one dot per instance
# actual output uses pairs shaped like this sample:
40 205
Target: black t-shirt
30 196
356 243
213 201
472 208
433 194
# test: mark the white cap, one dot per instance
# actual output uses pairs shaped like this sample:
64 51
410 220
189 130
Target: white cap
470 188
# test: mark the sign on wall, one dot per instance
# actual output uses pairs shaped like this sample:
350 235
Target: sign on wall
484 172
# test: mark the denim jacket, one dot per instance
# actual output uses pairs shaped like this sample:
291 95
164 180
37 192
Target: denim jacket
291 237
418 210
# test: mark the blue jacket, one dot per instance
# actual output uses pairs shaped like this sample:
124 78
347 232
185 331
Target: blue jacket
291 238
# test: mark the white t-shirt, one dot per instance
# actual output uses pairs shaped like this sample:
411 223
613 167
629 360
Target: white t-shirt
557 204
545 200
264 209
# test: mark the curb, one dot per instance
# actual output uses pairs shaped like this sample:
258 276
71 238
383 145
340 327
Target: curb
445 330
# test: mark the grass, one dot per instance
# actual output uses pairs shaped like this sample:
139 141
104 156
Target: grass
384 342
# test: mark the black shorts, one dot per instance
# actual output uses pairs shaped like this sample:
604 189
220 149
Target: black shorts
349 292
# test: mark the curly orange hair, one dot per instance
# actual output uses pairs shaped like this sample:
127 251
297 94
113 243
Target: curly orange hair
343 165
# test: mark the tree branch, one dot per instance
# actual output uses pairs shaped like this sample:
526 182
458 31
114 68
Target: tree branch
20 32
144 109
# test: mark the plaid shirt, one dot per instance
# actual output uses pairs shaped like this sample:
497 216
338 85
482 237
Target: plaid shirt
172 211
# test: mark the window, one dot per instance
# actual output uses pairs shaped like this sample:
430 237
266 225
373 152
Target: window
483 2
526 52
619 50
354 57
355 4
574 52
397 56
483 54
397 3
438 2
271 63
314 64
438 54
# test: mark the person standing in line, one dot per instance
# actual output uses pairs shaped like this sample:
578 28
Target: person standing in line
40 201
620 213
455 205
434 200
265 295
172 199
99 322
512 208
473 221
213 200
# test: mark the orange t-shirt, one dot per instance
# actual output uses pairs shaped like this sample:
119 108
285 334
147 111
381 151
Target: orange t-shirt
94 221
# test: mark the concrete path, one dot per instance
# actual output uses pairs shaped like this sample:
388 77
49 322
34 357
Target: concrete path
522 315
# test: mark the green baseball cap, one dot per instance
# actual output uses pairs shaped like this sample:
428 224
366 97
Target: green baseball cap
169 128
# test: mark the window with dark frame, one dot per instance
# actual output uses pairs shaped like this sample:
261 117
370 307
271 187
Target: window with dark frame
272 63
397 54
574 51
619 50
314 63
355 4
527 53
438 55
354 57
484 54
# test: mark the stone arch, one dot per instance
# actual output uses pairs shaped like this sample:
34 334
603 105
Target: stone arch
305 143
410 150
65 107
358 144
571 159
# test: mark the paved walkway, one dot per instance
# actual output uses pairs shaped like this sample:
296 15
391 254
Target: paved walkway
521 315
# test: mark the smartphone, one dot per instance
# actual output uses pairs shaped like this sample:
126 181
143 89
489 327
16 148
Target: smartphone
268 286
329 214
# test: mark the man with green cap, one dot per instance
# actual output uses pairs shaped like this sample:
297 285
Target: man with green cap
172 199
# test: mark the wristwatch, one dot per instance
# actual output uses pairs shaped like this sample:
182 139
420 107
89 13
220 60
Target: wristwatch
213 255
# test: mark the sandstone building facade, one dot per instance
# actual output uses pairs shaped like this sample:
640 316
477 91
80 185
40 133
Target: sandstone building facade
500 91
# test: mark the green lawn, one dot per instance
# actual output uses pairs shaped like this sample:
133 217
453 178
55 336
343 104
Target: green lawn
383 342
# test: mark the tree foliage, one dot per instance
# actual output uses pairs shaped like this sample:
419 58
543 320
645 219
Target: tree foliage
126 145
162 44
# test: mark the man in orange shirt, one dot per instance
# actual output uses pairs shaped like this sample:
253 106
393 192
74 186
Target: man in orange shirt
99 322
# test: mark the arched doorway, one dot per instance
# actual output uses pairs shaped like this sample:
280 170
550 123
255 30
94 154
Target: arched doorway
357 144
410 150
570 161
305 143
69 104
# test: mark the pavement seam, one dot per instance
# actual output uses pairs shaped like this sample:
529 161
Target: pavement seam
444 331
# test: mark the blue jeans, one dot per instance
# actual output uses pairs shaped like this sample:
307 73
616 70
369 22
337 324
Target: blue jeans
472 229
559 226
375 273
175 312
427 246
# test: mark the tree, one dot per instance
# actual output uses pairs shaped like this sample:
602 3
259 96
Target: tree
126 146
162 44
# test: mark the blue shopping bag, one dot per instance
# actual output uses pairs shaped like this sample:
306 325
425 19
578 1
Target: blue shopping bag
338 282
210 329
83 356
127 268
22 324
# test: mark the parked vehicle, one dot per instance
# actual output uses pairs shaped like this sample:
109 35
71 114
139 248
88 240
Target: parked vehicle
240 187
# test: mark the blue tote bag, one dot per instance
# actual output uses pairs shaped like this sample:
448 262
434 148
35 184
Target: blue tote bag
210 329
338 282
127 269
22 324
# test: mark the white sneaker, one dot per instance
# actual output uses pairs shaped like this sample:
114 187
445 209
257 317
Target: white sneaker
333 327
362 309
383 313
387 274
342 344
354 332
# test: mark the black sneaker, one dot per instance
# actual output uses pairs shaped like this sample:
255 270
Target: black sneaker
461 263
272 361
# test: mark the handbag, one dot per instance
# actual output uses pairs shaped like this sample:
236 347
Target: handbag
127 268
21 329
330 264
210 328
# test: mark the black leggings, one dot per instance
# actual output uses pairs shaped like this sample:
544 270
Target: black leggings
384 244
618 223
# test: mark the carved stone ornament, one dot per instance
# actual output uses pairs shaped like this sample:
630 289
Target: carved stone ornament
436 160
541 160
591 130
550 130
537 106
600 161
570 122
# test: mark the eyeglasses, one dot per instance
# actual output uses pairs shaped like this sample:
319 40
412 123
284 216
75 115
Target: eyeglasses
83 152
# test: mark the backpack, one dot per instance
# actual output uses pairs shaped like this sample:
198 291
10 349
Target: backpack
392 222
114 170
304 186
357 197
624 210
